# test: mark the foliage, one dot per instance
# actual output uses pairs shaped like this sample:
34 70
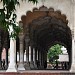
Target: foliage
54 52
8 16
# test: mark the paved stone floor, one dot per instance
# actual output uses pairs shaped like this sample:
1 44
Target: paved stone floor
36 72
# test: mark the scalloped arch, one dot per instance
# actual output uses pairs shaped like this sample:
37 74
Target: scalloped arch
41 12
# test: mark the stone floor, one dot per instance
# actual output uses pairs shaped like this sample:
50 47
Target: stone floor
36 72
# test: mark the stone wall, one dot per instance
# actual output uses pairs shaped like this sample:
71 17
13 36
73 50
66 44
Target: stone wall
65 6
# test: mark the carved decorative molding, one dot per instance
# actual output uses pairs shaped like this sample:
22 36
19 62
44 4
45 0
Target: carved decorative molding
35 23
41 12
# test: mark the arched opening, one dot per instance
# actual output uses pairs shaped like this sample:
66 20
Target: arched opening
51 31
44 28
57 57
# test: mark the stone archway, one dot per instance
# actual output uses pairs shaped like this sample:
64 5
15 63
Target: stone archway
50 30
42 28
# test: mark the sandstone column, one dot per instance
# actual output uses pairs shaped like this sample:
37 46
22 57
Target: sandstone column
73 40
73 56
35 59
12 64
31 54
34 55
27 52
31 62
21 65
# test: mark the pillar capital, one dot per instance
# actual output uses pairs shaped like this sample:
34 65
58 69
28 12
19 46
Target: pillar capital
27 39
21 37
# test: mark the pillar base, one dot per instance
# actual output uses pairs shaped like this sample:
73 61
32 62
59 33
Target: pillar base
35 67
72 68
32 65
21 66
12 68
27 66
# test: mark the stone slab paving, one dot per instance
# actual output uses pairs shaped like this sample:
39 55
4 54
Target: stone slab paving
36 72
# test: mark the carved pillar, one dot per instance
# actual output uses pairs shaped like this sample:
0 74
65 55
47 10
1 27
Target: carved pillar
21 39
27 52
21 65
31 62
31 53
40 58
73 54
35 55
27 49
35 58
12 64
73 40
27 40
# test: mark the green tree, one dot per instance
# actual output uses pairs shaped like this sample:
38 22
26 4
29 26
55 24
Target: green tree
54 52
8 16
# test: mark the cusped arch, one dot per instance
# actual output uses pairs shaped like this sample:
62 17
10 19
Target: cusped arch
43 18
46 26
42 12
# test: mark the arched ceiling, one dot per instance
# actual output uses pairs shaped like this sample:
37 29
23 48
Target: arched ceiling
46 26
48 30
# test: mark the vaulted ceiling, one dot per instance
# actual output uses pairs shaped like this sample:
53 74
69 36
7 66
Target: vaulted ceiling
46 31
46 27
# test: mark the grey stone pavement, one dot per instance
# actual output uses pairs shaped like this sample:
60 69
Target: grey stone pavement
40 71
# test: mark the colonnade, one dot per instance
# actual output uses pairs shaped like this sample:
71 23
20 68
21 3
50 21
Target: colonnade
35 57
38 53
